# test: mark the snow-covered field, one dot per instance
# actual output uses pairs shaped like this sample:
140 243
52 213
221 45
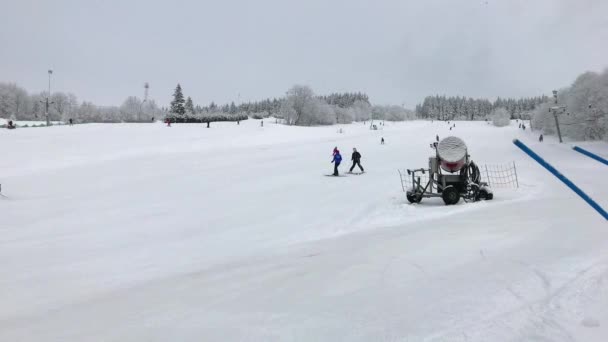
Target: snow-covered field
140 232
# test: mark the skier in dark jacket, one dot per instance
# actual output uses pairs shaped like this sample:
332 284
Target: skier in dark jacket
337 160
356 158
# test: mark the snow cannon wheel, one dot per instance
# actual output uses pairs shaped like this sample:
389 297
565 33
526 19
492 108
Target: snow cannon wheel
485 195
450 196
413 198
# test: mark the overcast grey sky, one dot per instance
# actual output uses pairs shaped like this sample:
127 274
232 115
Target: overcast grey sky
397 51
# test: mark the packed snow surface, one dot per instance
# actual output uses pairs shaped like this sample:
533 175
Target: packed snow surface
141 232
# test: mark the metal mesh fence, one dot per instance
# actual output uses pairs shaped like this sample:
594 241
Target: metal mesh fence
407 182
500 175
496 175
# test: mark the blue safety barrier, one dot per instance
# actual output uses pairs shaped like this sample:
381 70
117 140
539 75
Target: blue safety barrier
590 155
562 178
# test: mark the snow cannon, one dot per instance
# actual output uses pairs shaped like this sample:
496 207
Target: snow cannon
451 176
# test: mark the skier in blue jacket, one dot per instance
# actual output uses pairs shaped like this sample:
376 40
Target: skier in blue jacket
337 160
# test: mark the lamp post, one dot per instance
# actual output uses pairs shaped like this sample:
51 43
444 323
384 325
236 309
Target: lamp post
557 110
48 95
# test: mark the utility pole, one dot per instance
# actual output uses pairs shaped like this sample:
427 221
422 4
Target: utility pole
557 110
141 104
48 95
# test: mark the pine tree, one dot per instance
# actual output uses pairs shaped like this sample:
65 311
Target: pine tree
177 105
189 106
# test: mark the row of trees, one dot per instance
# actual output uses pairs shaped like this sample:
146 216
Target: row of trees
585 116
183 110
345 100
255 108
300 106
462 108
17 104
269 106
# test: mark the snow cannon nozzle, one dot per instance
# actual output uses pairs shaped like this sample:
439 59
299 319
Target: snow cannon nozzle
452 154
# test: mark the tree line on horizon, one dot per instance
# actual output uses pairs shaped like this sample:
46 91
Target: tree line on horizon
17 104
345 107
585 104
463 108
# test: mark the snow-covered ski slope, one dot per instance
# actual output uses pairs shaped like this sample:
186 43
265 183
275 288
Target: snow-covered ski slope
140 232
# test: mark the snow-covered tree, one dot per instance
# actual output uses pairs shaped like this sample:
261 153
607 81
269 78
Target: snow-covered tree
362 110
177 105
301 107
189 107
500 117
586 109
131 109
60 105
14 101
295 104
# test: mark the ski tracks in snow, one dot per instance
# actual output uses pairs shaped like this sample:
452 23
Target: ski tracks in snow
559 315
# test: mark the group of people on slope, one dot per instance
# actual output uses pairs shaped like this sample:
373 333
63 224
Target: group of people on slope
355 158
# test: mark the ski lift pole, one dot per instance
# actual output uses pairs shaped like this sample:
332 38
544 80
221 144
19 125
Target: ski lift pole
555 112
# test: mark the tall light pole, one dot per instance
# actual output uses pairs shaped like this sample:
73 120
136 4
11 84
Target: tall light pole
557 110
48 95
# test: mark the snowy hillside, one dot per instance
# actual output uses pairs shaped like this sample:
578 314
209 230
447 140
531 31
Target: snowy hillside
140 232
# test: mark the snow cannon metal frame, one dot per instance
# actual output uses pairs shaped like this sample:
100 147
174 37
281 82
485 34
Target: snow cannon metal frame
452 175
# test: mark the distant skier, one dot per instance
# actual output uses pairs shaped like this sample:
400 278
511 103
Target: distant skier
540 138
437 137
382 141
356 159
168 122
337 160
262 123
10 125
71 122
